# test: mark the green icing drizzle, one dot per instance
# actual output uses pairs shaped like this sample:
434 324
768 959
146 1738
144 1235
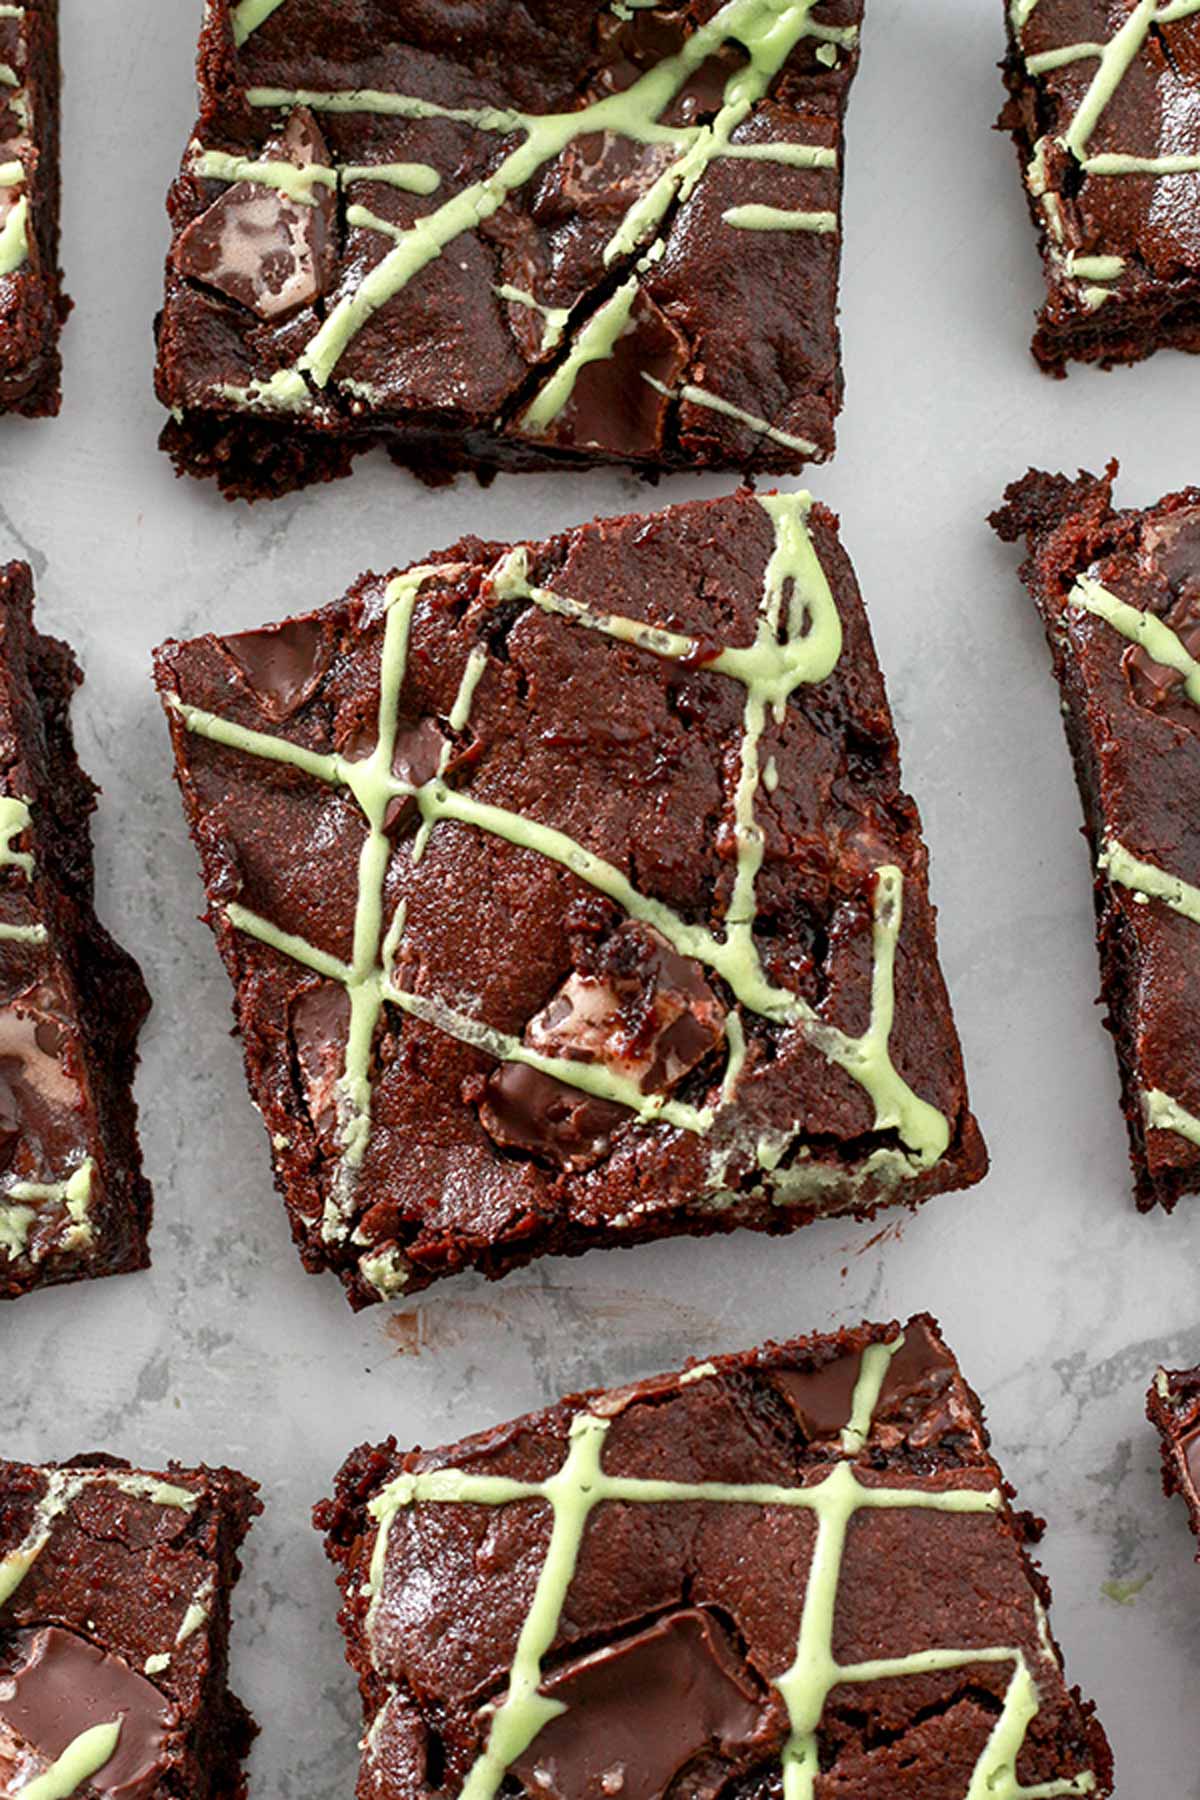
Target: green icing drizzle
1146 629
1149 882
1163 1113
775 218
84 1757
767 31
1114 59
14 237
21 1201
298 183
798 642
698 396
248 15
63 1486
14 822
556 317
581 1484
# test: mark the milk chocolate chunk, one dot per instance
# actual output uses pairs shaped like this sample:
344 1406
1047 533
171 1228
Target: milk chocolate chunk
664 1591
283 664
524 1109
55 1686
640 1712
270 250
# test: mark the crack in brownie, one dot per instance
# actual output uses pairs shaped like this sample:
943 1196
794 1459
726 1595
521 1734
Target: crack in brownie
1105 117
73 1200
114 1630
496 237
571 897
1119 593
792 1571
1173 1408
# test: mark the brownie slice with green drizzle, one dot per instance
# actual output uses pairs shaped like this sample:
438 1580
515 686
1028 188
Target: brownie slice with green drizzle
73 1200
571 897
1173 1408
115 1587
1104 109
1119 593
32 303
791 1572
494 236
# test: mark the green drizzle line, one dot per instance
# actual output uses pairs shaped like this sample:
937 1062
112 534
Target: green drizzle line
767 31
1148 882
581 1484
1114 58
1145 629
298 182
83 1757
1163 1113
698 396
14 237
63 1487
14 822
21 1202
798 642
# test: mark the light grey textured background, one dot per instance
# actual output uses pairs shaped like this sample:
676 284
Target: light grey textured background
1057 1296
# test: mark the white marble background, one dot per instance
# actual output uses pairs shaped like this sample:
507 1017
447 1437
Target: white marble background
1058 1296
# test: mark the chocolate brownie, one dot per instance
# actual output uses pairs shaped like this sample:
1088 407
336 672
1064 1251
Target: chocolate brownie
792 1571
571 897
1105 112
32 303
1119 593
1173 1407
494 236
114 1631
73 1200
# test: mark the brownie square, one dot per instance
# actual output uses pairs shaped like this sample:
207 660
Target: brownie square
114 1630
494 236
1119 593
571 898
73 1200
1105 113
1173 1408
32 303
791 1570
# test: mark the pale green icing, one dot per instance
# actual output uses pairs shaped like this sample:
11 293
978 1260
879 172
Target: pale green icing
15 1225
14 237
62 1487
594 342
157 1664
197 1615
703 397
14 822
1162 1384
286 391
12 174
1163 1113
74 1193
774 218
1115 163
555 317
1020 12
827 54
9 76
582 1484
701 1372
387 1271
84 1757
1149 882
298 183
1047 60
798 641
1116 59
248 15
460 712
1146 629
22 934
1096 268
766 30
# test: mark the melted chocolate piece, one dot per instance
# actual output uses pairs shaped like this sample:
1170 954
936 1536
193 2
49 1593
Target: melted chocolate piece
822 1399
522 1109
58 1686
320 1026
40 1101
639 1712
257 245
283 664
613 406
1172 546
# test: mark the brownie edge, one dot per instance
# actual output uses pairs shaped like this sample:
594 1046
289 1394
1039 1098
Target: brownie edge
800 1561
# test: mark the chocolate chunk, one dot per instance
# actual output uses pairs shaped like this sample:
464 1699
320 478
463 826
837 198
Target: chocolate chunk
258 245
54 1686
39 1098
1151 683
523 1109
320 1026
614 405
639 1712
1189 1448
822 1398
283 664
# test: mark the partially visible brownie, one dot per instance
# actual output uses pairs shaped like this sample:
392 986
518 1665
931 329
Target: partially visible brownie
73 1200
32 303
1173 1407
487 235
1105 113
795 1570
115 1587
1119 593
571 897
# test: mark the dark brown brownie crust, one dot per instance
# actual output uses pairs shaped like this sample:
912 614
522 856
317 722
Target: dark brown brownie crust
523 960
702 328
118 1583
1133 724
1173 1408
73 1200
1105 148
670 1632
32 303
